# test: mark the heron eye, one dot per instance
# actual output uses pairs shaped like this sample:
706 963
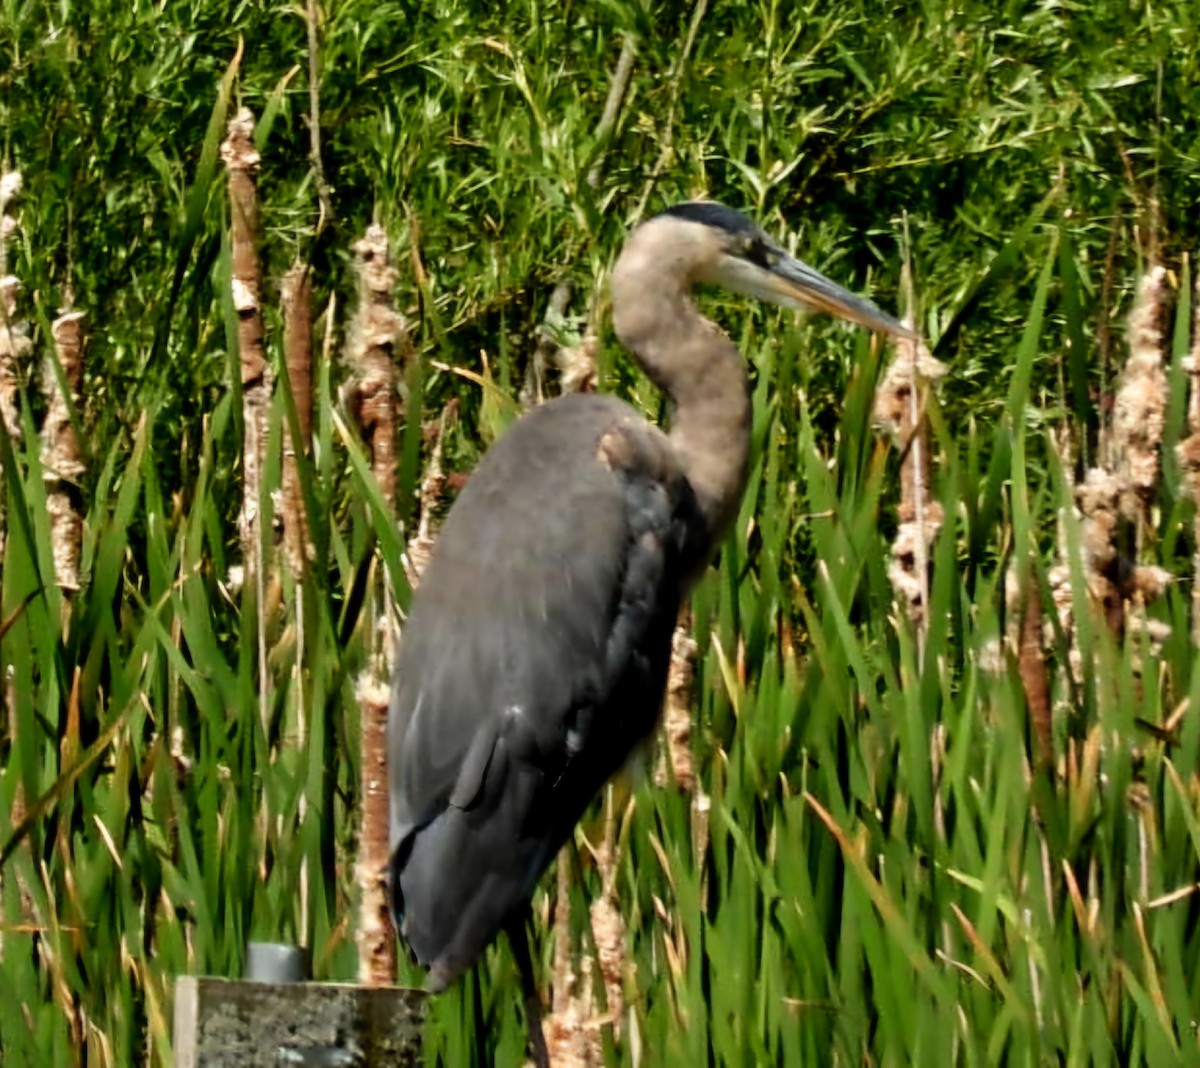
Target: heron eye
758 252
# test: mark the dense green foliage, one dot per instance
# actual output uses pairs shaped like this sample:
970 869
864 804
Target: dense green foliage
1035 154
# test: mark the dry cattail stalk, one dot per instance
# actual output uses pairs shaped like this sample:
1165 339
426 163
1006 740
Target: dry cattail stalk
1192 362
14 335
899 411
677 709
375 334
570 1041
1098 498
60 451
1188 450
1058 579
577 364
14 347
296 294
608 932
572 1028
375 937
1140 406
1031 665
296 300
563 980
312 18
419 550
241 161
1118 587
10 188
545 351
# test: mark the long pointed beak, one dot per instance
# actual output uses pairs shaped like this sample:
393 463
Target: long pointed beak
794 282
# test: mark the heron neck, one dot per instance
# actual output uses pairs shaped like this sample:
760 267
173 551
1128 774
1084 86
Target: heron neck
701 371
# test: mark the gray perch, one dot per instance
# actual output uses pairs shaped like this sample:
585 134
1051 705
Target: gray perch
535 656
227 1023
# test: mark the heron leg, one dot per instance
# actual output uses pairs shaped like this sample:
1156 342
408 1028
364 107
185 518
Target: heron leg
518 938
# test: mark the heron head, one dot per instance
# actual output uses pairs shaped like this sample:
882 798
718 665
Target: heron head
710 243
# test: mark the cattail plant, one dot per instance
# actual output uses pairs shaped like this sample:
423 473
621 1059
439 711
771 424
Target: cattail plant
1114 499
899 411
608 929
1111 514
573 1026
296 301
241 162
377 335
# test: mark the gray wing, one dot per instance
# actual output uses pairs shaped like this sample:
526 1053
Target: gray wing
555 575
541 578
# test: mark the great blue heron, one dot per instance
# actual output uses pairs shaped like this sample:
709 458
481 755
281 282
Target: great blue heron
535 654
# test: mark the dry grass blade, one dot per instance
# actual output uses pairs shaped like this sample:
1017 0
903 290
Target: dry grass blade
988 958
